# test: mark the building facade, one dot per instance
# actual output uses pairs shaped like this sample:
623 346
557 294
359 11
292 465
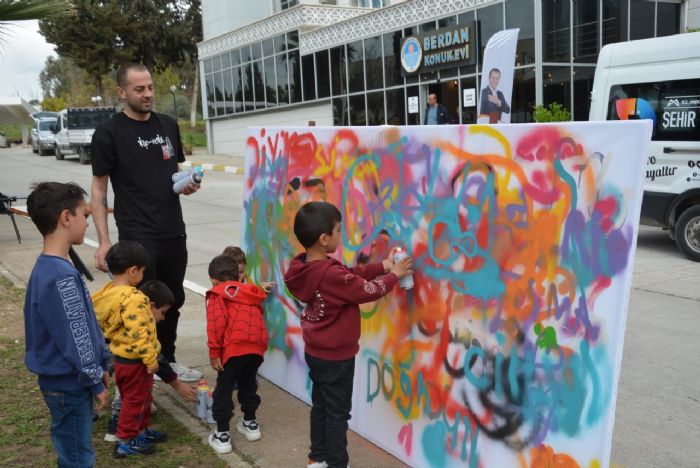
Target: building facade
339 62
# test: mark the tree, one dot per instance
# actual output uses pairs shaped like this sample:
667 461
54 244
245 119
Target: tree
13 10
157 33
61 78
555 112
53 104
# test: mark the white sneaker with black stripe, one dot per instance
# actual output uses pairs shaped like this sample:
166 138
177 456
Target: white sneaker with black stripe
220 442
249 429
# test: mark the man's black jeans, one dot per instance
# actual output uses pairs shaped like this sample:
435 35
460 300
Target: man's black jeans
168 264
331 398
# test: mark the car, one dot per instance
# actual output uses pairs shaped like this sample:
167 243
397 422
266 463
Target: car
43 136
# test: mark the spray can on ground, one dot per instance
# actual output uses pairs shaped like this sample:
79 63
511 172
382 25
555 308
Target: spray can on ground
210 403
407 281
202 398
183 178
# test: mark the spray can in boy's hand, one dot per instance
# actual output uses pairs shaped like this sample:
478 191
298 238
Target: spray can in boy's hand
183 178
407 281
202 398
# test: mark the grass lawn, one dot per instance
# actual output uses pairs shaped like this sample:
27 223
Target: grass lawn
195 137
12 132
24 417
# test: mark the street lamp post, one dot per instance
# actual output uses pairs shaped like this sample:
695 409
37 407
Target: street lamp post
173 88
96 100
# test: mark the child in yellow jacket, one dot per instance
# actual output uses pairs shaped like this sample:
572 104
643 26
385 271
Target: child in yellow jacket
124 314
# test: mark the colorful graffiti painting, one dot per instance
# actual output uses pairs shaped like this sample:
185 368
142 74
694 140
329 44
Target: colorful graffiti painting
507 350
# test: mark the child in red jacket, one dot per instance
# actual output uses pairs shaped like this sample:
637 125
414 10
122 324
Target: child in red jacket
237 340
330 323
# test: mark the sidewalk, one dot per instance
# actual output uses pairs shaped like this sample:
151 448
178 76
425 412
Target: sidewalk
215 162
283 418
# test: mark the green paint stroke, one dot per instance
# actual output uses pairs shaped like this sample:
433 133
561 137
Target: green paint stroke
547 337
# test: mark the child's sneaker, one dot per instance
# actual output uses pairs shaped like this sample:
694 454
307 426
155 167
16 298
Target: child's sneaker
249 429
315 464
152 436
111 435
220 442
136 446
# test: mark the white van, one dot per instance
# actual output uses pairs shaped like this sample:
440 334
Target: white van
659 79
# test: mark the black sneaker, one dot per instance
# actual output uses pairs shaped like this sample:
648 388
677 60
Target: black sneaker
153 436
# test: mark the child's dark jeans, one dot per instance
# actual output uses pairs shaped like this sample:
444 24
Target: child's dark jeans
331 398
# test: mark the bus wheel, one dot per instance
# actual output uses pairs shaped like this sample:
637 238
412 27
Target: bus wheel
688 233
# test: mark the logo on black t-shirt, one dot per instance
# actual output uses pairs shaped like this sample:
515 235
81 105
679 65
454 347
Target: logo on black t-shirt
168 150
158 140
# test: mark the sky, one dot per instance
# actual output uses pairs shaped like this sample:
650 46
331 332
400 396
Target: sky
23 52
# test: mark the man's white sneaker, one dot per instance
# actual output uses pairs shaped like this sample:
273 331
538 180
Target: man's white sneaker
315 464
249 429
185 374
220 442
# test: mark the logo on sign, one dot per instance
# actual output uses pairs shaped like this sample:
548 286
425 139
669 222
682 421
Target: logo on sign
673 103
411 55
636 108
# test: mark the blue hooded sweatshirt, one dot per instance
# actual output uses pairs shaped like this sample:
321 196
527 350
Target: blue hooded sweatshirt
65 345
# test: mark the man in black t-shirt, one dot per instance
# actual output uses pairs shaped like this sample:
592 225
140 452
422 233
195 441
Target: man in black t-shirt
139 151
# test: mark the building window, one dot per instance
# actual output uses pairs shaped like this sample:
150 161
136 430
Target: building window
392 63
556 31
523 100
237 90
307 67
228 91
282 79
219 94
585 31
374 71
270 81
358 116
583 85
521 14
339 81
211 98
490 21
641 19
375 108
668 19
294 65
286 4
340 111
259 83
248 96
614 21
469 113
557 86
395 107
356 70
323 84
412 118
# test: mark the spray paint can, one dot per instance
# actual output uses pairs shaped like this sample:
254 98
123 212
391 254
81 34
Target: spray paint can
202 398
184 178
210 404
407 281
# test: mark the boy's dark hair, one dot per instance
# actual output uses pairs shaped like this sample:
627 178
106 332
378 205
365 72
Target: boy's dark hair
49 199
123 73
126 254
223 268
158 292
235 252
314 219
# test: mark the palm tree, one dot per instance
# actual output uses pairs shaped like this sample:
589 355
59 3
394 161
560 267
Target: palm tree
20 10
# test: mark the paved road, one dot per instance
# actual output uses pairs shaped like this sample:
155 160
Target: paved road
658 407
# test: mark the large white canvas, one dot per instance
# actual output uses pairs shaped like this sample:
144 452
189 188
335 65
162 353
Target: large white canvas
507 351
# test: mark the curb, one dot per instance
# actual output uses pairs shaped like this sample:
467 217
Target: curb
214 167
165 398
16 282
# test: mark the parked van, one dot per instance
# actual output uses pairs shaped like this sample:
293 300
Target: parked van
74 128
659 79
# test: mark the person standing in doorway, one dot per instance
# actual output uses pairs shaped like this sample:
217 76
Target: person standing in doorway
139 151
435 113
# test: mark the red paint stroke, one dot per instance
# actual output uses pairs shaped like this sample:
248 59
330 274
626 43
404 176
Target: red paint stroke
406 437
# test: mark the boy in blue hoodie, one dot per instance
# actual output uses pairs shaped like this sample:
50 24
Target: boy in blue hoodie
65 346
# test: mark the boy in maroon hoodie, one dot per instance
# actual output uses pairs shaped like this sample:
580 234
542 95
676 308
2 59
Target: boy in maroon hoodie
237 340
331 323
